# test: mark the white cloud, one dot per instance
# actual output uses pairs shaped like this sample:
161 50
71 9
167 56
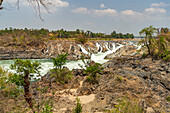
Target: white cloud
60 3
102 6
109 12
131 13
161 4
81 10
155 10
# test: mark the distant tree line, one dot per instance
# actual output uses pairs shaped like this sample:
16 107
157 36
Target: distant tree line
62 33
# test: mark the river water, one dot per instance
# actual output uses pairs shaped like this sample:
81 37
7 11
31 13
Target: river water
47 64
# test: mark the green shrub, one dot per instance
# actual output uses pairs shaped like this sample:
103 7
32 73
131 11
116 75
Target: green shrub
7 89
92 69
59 61
144 55
79 107
61 74
126 106
167 58
81 40
92 72
47 109
168 98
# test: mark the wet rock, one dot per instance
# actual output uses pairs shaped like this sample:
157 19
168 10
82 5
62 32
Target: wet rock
123 51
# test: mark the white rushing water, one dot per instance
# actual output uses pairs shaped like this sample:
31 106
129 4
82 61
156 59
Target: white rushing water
47 64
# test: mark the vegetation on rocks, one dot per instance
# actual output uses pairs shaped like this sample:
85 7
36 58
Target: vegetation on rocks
92 70
25 71
133 77
34 37
79 107
157 46
126 106
60 74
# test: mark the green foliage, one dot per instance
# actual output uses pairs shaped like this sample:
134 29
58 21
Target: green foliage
61 74
81 40
144 55
25 71
47 109
168 98
59 61
167 58
157 46
148 33
22 68
3 78
92 69
126 106
7 89
79 107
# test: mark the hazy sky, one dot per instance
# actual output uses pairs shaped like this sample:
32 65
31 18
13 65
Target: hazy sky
94 15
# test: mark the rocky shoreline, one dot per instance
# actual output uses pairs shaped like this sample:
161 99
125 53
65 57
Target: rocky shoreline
134 78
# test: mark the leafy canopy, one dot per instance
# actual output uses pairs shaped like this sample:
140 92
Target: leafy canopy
22 68
59 61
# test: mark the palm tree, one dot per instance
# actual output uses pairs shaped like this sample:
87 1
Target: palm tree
148 33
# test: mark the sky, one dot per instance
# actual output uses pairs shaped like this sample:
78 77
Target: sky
125 16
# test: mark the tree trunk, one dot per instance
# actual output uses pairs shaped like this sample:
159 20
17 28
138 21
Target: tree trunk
1 4
27 94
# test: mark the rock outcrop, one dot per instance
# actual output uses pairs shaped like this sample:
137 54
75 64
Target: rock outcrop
53 48
123 51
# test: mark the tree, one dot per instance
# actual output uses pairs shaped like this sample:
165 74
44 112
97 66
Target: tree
59 61
61 74
36 4
25 71
1 4
148 33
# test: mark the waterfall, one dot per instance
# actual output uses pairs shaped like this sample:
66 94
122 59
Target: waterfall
106 45
83 50
98 57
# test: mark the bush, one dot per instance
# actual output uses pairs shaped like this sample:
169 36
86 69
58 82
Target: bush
167 58
92 69
81 40
168 98
79 107
62 75
59 61
158 47
7 89
126 106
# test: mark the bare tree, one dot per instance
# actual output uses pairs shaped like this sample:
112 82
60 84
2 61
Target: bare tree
36 4
1 4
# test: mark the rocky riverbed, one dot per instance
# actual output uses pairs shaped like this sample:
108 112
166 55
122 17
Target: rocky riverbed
53 48
139 80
